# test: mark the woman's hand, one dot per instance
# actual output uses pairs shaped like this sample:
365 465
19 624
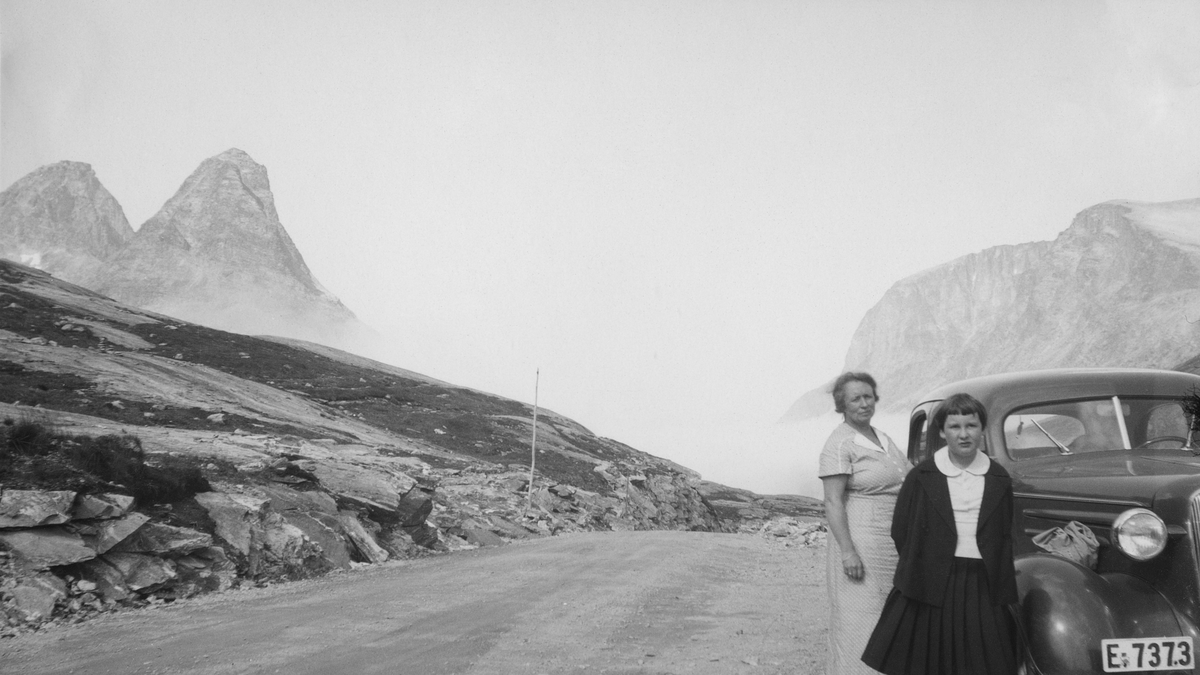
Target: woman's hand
835 514
852 565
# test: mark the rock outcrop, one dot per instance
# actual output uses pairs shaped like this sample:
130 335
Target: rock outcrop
312 460
751 510
1119 287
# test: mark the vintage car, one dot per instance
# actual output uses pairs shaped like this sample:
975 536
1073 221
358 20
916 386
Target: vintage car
1113 450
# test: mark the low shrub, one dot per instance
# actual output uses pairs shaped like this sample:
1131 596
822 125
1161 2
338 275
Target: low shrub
28 438
33 455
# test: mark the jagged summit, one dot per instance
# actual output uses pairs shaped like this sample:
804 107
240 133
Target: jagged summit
225 211
60 219
216 252
221 221
1119 287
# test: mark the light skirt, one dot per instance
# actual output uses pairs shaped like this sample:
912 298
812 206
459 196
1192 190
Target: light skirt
855 606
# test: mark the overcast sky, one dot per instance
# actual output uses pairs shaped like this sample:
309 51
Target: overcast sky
679 211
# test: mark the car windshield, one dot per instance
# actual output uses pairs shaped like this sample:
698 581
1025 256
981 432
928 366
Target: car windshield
1093 425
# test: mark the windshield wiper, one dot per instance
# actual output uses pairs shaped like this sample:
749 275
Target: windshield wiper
1062 449
1191 443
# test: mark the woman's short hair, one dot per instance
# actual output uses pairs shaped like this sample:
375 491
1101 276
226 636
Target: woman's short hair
839 388
958 404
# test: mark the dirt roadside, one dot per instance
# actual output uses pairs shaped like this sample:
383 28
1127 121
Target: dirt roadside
617 602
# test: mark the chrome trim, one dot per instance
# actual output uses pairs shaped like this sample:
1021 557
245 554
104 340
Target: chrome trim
1194 526
1119 413
1066 515
1088 500
1120 521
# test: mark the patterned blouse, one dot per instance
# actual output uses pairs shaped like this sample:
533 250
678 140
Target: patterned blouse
873 470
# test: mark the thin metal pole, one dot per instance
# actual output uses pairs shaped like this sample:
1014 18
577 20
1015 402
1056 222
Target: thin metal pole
533 445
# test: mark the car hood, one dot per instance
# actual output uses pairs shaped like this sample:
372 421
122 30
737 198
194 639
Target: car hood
1124 474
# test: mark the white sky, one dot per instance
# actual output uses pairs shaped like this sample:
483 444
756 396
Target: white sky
679 211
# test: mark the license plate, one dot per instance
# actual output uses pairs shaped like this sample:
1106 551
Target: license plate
1140 654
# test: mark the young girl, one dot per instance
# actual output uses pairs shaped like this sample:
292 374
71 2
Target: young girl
947 612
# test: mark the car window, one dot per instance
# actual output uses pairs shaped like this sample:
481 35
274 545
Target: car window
1033 433
920 442
1095 425
1166 425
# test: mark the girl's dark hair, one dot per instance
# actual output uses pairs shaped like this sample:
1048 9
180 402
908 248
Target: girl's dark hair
839 388
958 404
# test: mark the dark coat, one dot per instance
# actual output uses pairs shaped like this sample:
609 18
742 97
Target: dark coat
925 537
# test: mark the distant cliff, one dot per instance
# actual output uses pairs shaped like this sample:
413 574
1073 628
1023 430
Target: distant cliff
1119 287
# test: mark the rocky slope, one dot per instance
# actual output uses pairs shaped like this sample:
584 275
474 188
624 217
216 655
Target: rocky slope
216 253
1119 287
313 460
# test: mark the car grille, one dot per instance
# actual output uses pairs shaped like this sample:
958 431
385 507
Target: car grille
1194 529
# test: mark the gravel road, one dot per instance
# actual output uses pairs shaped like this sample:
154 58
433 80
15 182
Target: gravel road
615 602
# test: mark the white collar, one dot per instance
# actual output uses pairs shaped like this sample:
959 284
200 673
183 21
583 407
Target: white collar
978 466
865 442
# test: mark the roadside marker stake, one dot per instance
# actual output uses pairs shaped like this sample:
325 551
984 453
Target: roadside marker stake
533 445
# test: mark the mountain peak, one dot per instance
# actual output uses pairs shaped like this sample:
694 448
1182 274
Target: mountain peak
1119 287
217 253
235 155
61 219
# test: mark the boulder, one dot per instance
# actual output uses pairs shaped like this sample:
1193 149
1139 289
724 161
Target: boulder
425 535
508 528
515 484
549 501
272 547
476 533
103 535
780 527
563 490
287 551
325 531
316 514
101 506
235 516
35 508
366 545
372 490
44 547
110 582
662 500
141 572
415 506
283 499
164 540
36 596
206 570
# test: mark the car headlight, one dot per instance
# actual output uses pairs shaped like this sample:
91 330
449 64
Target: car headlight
1139 533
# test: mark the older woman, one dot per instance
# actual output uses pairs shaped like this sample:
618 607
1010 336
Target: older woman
862 470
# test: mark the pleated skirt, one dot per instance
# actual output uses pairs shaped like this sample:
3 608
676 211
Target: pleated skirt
967 635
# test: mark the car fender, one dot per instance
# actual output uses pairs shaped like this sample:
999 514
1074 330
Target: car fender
1067 609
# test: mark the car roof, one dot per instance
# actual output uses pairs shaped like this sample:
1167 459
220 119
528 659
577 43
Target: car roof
1001 392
